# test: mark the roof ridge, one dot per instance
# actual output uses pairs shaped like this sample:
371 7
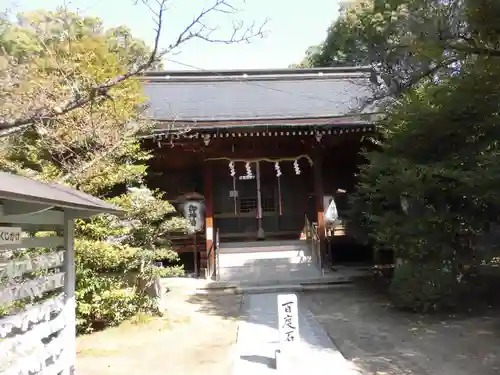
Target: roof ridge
257 72
320 76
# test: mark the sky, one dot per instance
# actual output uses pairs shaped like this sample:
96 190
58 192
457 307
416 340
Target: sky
292 26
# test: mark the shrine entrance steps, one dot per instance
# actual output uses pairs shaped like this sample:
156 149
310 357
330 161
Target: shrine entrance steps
269 262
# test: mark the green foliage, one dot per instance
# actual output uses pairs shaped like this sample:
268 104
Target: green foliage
147 224
105 288
115 261
105 257
172 271
148 218
119 252
47 59
50 57
408 40
371 32
425 287
440 152
105 300
438 146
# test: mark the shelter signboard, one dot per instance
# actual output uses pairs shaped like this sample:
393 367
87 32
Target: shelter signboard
10 235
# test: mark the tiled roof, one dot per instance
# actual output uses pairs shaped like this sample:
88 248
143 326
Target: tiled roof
19 188
256 94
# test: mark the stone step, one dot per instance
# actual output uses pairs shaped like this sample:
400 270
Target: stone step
264 246
274 286
261 259
273 272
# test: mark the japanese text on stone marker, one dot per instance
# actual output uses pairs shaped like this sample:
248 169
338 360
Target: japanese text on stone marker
288 321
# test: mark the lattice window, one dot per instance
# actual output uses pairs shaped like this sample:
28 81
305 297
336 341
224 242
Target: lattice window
268 203
247 204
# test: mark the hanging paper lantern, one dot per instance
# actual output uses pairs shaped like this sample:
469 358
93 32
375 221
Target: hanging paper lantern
278 169
296 167
231 169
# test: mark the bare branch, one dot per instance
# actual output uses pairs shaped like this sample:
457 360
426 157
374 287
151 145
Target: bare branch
135 129
197 29
394 87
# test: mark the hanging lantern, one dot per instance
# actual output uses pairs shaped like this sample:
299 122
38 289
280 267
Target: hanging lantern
296 167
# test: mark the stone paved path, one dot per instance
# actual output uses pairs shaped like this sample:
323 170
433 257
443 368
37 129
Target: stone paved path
258 341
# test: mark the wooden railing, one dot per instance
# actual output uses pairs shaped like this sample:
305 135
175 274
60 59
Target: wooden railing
314 242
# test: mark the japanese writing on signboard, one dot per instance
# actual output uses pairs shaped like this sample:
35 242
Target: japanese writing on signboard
288 318
193 212
10 236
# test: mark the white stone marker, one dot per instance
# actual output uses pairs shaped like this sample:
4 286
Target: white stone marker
288 327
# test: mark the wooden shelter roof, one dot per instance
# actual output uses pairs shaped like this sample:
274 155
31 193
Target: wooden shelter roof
26 190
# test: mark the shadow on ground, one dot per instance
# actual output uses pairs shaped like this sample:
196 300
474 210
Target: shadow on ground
258 331
266 361
226 306
379 339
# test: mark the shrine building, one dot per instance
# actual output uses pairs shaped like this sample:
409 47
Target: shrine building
264 150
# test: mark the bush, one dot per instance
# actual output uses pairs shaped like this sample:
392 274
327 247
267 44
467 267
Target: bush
105 257
104 301
103 295
430 188
115 256
425 287
172 271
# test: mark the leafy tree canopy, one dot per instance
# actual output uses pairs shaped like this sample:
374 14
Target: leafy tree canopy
50 56
407 40
439 148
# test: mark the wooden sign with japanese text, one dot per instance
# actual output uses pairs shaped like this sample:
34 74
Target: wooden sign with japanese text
288 319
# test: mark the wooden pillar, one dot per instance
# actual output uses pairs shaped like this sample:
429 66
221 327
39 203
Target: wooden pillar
318 196
209 211
69 295
195 255
260 229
